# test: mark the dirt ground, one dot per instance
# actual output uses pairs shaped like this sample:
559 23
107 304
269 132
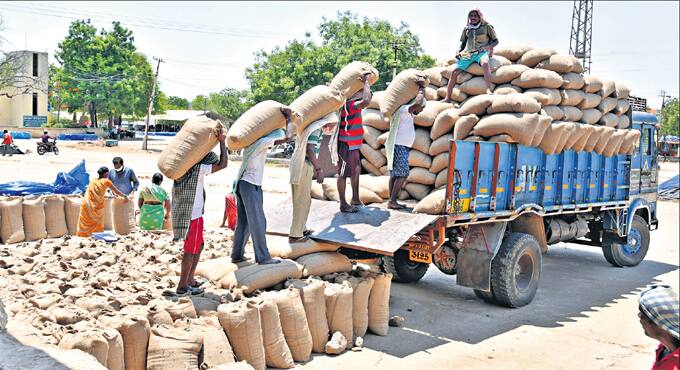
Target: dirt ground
584 315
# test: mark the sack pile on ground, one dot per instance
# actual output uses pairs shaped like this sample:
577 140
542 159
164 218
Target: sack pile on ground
108 300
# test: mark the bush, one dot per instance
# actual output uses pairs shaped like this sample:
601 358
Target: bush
63 122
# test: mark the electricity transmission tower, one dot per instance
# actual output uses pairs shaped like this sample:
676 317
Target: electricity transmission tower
582 32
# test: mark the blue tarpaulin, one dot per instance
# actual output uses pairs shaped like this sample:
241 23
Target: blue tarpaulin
73 182
78 137
20 135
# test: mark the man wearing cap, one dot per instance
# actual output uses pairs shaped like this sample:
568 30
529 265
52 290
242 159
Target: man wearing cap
660 319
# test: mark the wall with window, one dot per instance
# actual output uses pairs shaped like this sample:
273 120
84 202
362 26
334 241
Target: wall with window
34 103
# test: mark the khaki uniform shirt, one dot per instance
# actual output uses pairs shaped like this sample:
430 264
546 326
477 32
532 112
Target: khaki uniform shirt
477 38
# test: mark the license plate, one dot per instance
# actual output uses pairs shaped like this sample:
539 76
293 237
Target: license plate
419 256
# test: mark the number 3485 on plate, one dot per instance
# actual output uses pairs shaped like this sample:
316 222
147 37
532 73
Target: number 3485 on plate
419 256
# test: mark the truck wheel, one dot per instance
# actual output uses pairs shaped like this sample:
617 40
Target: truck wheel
634 251
402 269
488 297
515 271
446 259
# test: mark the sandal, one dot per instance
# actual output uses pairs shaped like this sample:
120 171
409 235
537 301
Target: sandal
349 209
301 239
308 232
197 283
243 259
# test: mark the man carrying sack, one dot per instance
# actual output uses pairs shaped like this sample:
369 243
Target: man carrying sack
304 164
251 221
188 204
399 142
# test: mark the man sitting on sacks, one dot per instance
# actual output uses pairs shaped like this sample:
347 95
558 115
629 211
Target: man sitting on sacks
188 200
399 142
303 165
346 142
251 221
477 43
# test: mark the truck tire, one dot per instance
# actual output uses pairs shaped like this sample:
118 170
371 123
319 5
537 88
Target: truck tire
516 270
634 251
402 269
488 297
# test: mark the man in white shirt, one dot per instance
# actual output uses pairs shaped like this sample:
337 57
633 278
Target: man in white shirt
401 138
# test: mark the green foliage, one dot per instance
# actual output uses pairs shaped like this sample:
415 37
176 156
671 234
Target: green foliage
177 103
62 122
229 103
670 118
285 73
199 103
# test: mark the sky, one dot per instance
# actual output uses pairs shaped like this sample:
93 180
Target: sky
207 45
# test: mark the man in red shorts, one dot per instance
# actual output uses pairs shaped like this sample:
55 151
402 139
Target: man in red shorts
188 199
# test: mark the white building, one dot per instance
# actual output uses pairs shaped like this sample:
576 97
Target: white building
27 105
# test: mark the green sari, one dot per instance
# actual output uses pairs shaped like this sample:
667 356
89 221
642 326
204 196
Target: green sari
151 216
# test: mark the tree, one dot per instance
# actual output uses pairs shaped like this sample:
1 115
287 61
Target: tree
229 103
177 103
199 103
670 118
285 73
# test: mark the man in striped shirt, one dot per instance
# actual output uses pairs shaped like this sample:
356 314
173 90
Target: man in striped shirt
350 138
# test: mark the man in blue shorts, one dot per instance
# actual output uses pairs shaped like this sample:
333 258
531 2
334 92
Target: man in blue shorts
477 43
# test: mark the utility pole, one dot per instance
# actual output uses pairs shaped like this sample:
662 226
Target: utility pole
151 98
395 47
663 96
205 100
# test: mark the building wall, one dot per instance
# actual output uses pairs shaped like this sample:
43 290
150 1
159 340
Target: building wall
13 110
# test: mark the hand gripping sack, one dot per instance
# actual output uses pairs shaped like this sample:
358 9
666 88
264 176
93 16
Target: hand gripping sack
316 103
276 351
257 122
33 214
173 348
401 90
379 304
349 77
193 141
55 218
241 322
339 309
294 323
312 295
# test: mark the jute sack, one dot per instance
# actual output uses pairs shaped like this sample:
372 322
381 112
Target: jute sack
55 219
513 103
520 126
591 116
615 143
193 141
33 214
422 176
443 144
254 277
557 63
281 248
157 315
434 74
422 141
571 130
555 112
339 309
431 93
367 166
609 120
622 106
172 348
595 136
507 89
532 78
433 204
461 130
578 67
401 90
442 178
507 73
241 365
575 136
215 269
624 122
183 308
316 103
403 195
592 85
495 62
89 341
607 105
115 359
68 313
256 122
444 123
377 184
121 216
108 213
462 77
572 114
378 304
440 162
542 126
322 263
375 119
534 56
545 96
317 190
552 137
374 156
366 196
587 130
476 105
511 52
456 94
475 86
276 351
294 322
501 139
375 100
418 191
622 90
430 112
571 97
361 290
608 88
12 229
349 77
419 159
313 300
628 145
216 347
135 333
241 321
573 81
382 139
371 137
604 140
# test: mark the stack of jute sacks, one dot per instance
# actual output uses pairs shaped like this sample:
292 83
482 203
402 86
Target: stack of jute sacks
540 99
31 218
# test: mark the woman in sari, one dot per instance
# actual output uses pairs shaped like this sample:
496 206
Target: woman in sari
154 205
91 219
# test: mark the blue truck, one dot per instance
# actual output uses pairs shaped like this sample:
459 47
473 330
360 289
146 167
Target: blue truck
505 204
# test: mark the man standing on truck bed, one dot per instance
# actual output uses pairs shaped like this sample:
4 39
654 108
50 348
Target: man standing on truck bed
477 43
399 142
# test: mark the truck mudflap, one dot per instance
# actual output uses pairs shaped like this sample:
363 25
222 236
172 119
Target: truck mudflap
480 245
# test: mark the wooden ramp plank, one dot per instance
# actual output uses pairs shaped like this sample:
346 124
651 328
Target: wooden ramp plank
372 229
